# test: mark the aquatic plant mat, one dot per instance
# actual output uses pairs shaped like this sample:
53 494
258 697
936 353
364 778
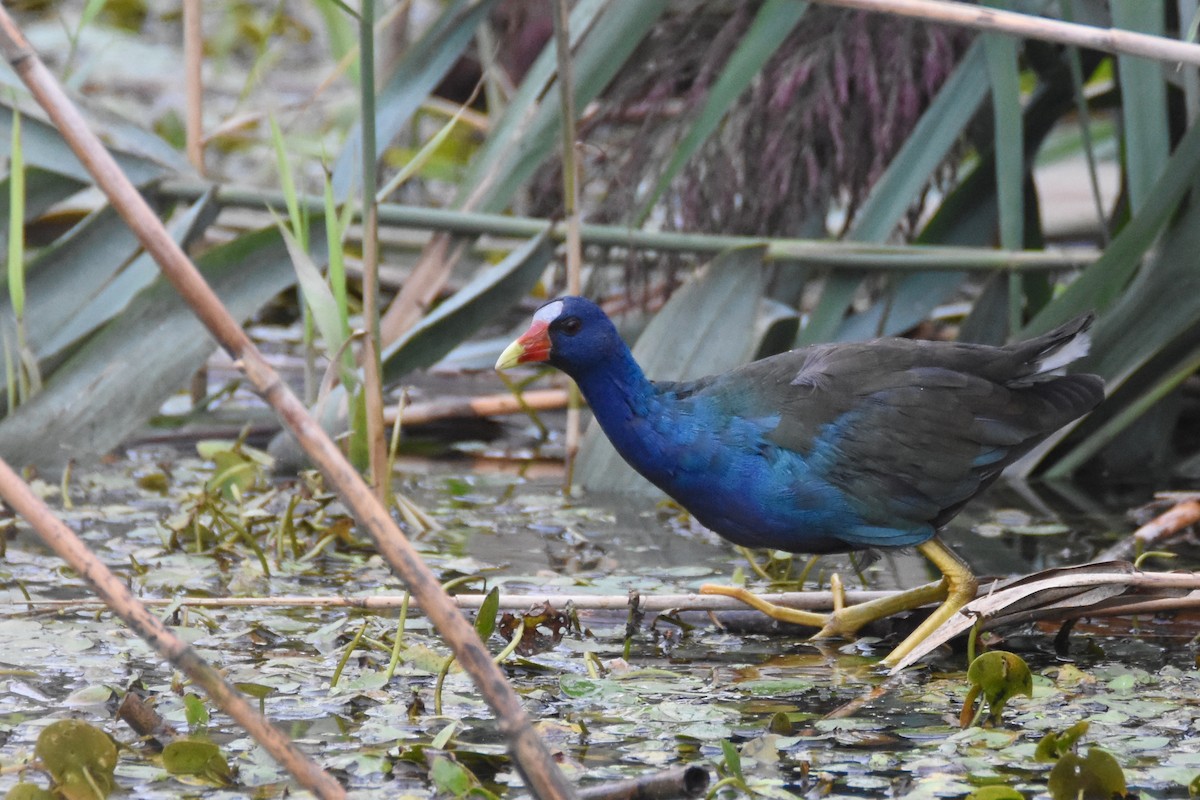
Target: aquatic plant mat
616 695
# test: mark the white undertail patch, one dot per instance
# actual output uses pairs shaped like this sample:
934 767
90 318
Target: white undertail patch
1073 350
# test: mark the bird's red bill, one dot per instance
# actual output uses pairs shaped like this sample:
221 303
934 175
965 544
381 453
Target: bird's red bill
532 347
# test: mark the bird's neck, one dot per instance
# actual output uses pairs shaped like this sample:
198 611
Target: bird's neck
621 398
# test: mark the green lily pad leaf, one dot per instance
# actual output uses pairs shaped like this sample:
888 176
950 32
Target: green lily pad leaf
999 676
197 757
450 777
996 793
1054 746
79 757
1096 777
1194 787
28 791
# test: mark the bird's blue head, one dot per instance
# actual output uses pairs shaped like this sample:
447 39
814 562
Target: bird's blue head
570 333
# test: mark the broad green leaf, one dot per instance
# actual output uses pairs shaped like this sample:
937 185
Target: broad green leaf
29 791
79 757
120 377
996 793
1056 744
195 711
999 676
450 777
489 293
79 268
1143 103
705 328
198 757
422 68
45 149
1096 777
772 25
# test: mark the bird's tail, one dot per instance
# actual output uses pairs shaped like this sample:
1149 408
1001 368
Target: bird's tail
1052 351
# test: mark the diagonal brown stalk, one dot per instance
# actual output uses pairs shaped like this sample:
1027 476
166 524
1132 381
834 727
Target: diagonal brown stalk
529 752
117 596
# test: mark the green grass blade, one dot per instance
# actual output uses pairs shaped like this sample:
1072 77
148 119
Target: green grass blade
1005 78
16 225
1143 103
336 228
422 156
317 295
287 183
772 25
87 407
423 66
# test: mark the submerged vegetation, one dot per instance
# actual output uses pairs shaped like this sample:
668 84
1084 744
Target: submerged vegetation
372 694
751 177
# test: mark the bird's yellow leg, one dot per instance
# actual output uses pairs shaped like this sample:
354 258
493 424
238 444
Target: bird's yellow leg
960 585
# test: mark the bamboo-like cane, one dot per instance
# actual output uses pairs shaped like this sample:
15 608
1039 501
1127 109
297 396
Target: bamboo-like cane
1107 40
530 754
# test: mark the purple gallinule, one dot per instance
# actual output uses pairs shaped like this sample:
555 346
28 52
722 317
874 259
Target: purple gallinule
832 448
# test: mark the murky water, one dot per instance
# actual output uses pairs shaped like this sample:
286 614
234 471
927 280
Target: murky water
809 718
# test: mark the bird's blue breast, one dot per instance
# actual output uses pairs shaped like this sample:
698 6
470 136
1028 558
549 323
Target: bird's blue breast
723 469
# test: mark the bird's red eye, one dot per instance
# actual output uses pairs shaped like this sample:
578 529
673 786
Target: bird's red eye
569 325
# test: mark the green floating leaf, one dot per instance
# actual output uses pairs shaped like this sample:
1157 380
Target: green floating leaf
29 791
1054 746
197 757
1096 777
996 793
1194 787
450 777
80 758
999 676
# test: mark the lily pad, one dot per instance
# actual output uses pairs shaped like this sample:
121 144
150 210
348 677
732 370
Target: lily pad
1096 777
80 758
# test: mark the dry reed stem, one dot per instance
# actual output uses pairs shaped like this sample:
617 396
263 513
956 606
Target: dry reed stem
1107 40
